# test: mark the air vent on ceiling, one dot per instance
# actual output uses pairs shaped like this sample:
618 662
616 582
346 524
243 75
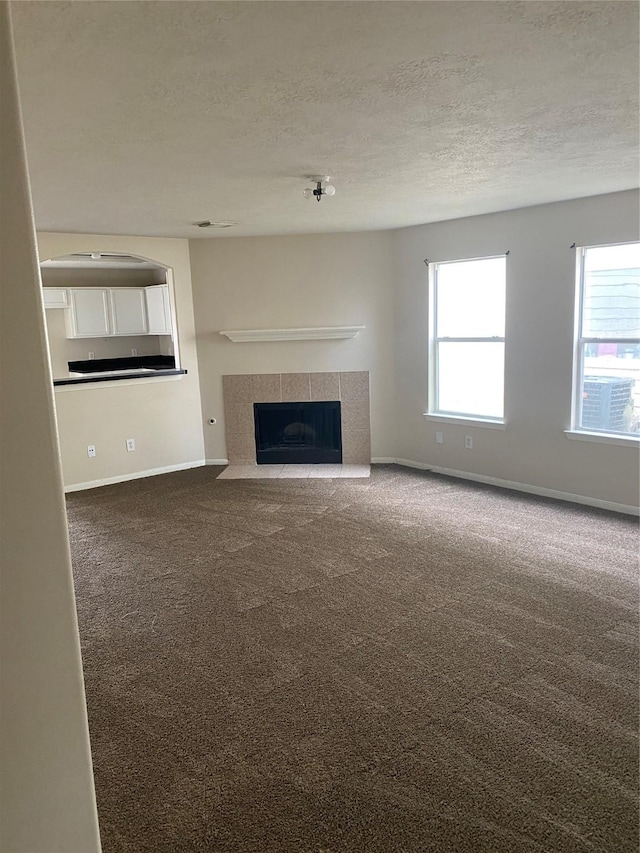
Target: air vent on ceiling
216 223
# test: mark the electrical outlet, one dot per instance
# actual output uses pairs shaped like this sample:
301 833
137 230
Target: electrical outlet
92 355
131 444
134 351
439 438
468 442
91 450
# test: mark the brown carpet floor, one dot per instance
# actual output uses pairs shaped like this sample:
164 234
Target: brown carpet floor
405 663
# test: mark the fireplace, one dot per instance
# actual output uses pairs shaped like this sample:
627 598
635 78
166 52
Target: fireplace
350 388
298 433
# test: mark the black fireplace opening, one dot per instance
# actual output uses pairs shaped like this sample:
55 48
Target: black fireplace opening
298 433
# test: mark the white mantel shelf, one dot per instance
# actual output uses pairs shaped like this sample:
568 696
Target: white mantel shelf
314 334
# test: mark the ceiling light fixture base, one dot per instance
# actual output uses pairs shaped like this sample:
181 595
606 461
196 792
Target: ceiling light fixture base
322 187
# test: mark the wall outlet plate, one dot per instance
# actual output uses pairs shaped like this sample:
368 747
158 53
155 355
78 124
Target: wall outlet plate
439 438
131 444
91 450
468 442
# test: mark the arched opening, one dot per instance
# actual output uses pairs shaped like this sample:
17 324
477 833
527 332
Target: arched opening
109 316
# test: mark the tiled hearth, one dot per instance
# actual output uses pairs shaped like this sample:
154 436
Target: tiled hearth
351 388
293 472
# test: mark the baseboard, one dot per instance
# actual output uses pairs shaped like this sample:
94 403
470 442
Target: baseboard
381 460
523 487
138 475
408 463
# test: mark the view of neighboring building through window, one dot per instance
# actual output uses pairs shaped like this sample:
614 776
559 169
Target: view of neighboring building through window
467 338
607 392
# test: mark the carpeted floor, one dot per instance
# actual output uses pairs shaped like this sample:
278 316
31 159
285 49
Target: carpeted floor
403 663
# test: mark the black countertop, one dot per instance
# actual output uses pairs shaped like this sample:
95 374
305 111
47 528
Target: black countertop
129 362
118 375
129 367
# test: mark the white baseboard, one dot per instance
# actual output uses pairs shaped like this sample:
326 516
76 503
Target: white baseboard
523 487
407 463
138 475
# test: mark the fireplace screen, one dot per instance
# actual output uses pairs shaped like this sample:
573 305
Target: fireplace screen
298 433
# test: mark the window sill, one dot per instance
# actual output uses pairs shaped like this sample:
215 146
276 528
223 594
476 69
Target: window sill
603 437
487 423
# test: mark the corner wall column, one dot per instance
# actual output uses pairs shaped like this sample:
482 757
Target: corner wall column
48 799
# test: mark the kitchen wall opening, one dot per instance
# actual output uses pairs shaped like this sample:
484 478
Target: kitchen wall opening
109 316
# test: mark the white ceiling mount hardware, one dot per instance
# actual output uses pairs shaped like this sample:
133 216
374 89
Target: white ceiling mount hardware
216 223
317 333
320 190
104 256
99 260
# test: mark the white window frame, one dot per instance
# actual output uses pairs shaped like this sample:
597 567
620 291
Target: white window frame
579 343
435 413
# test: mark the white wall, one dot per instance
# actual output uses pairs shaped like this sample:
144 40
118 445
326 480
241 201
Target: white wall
163 414
48 801
540 307
286 282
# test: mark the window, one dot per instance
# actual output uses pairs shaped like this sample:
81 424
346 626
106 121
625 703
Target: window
607 375
467 338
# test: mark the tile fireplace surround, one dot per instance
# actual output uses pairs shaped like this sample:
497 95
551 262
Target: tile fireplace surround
240 392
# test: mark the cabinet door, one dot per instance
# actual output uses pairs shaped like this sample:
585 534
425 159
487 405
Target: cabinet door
158 309
129 311
89 314
55 297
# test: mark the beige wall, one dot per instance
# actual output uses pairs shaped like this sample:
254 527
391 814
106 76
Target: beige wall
540 304
378 280
48 801
288 282
163 415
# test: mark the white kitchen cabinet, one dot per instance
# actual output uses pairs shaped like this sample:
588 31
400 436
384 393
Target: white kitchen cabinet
158 309
55 297
90 313
129 311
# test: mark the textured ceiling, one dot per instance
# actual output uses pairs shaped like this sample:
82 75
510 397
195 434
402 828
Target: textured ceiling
143 117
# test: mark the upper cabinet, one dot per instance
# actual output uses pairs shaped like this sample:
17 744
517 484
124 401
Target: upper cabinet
158 309
129 311
55 297
89 315
100 312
